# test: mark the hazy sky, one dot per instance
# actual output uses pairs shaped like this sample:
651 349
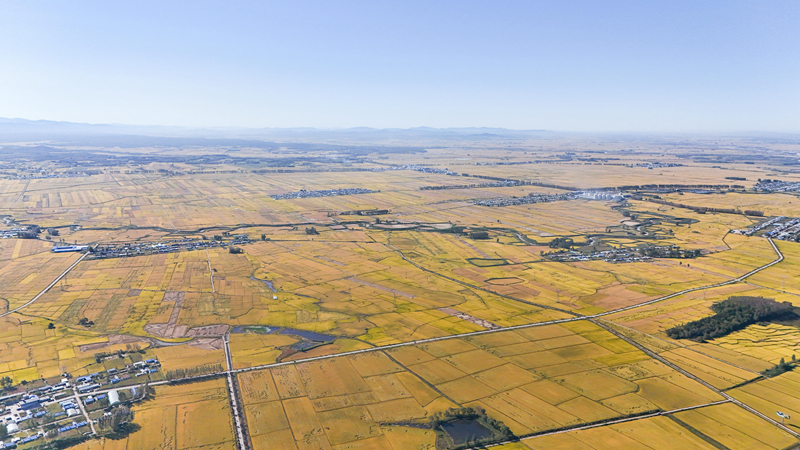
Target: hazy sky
560 65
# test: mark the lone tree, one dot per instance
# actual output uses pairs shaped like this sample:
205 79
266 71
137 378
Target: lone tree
311 230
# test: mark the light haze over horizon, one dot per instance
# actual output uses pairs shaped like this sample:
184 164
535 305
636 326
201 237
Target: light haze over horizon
574 66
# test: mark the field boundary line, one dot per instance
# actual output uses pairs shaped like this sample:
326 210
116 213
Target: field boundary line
471 286
49 286
208 257
602 424
688 374
687 348
739 279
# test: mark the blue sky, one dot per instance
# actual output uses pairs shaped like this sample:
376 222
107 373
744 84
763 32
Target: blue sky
637 66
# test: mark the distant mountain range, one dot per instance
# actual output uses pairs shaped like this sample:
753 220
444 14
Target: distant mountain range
70 134
18 130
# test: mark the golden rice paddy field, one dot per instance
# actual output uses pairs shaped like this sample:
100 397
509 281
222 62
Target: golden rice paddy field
658 317
532 380
399 277
782 277
22 278
588 176
773 394
769 204
713 427
193 416
754 348
587 287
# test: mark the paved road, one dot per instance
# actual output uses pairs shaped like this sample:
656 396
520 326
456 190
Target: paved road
83 411
241 443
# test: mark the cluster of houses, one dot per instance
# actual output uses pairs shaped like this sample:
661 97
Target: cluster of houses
19 414
781 228
88 383
512 201
43 174
12 233
302 193
775 221
613 256
777 186
655 165
143 248
785 231
417 168
602 195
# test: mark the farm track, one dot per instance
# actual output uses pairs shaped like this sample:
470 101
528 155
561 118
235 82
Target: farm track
211 271
49 286
427 383
21 194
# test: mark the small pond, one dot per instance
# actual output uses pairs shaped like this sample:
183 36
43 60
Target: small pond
310 335
267 282
259 329
462 430
263 329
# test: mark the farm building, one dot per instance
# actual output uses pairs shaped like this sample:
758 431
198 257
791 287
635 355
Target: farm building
69 248
113 397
